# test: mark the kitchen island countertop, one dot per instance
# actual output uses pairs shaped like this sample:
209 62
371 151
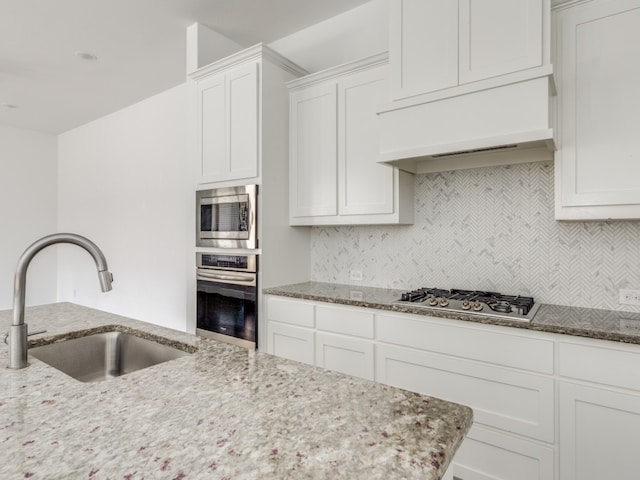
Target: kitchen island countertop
617 326
221 413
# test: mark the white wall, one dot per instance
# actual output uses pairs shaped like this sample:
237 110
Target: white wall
355 34
28 211
123 183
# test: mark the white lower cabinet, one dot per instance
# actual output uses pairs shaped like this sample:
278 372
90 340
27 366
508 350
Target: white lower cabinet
512 378
353 356
599 433
599 410
332 337
490 455
294 343
511 400
290 329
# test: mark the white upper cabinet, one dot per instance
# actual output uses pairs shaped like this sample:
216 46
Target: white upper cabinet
237 117
227 126
313 174
440 44
423 46
365 187
498 37
468 77
598 163
334 130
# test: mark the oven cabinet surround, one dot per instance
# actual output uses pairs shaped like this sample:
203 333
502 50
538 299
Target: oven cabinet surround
240 134
598 162
334 130
599 405
443 43
232 100
468 75
505 377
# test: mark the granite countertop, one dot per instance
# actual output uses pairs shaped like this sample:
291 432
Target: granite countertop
584 322
221 413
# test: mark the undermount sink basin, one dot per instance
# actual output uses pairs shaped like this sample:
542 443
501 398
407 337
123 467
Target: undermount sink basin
104 355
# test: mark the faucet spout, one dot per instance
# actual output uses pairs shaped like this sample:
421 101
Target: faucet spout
18 329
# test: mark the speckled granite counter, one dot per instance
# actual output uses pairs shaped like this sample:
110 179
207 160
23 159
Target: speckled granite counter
584 322
221 413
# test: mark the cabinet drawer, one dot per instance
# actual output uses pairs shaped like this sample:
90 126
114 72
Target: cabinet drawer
489 455
350 321
608 364
513 401
480 344
353 356
295 312
294 343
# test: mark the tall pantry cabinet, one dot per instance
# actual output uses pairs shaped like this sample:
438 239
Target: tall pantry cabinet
239 137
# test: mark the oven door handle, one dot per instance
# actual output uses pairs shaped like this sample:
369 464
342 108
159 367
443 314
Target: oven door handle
239 279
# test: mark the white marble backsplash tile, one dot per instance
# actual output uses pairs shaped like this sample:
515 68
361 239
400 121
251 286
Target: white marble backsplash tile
488 229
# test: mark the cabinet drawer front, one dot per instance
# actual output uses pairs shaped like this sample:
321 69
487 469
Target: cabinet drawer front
489 455
353 356
349 321
294 312
468 342
290 342
514 401
601 364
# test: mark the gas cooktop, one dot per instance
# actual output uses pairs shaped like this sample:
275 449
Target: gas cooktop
491 304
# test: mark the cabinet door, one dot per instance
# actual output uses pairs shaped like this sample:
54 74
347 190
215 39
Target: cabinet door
313 168
349 355
423 46
598 164
212 128
499 37
294 343
242 120
599 433
228 125
489 455
365 186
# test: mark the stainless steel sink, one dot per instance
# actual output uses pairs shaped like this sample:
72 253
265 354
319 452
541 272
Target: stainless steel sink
104 355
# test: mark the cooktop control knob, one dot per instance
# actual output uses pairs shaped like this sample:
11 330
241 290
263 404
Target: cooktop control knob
466 305
433 301
443 302
477 306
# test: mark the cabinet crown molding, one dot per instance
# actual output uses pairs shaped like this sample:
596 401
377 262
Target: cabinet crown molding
258 52
348 68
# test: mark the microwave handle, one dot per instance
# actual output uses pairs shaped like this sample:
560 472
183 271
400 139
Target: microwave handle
225 277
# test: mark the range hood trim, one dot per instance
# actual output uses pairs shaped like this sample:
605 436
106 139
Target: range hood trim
513 148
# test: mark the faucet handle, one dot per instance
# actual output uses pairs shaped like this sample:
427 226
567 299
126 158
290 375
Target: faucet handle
6 335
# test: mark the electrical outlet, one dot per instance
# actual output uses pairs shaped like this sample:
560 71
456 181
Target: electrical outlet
355 295
631 326
629 297
355 275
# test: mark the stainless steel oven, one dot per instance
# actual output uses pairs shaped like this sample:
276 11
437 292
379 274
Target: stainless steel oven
226 217
227 293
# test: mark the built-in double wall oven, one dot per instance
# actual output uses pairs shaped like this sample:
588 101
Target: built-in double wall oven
227 276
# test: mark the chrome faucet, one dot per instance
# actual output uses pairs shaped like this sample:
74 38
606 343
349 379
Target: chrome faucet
18 329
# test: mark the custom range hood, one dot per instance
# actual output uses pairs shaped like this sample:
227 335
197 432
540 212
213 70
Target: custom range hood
488 123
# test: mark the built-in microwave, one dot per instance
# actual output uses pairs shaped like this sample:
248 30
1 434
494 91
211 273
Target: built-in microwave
226 217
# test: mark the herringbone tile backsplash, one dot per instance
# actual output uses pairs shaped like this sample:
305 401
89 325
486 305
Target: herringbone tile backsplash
488 229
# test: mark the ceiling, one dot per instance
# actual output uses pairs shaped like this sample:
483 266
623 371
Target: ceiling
140 47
